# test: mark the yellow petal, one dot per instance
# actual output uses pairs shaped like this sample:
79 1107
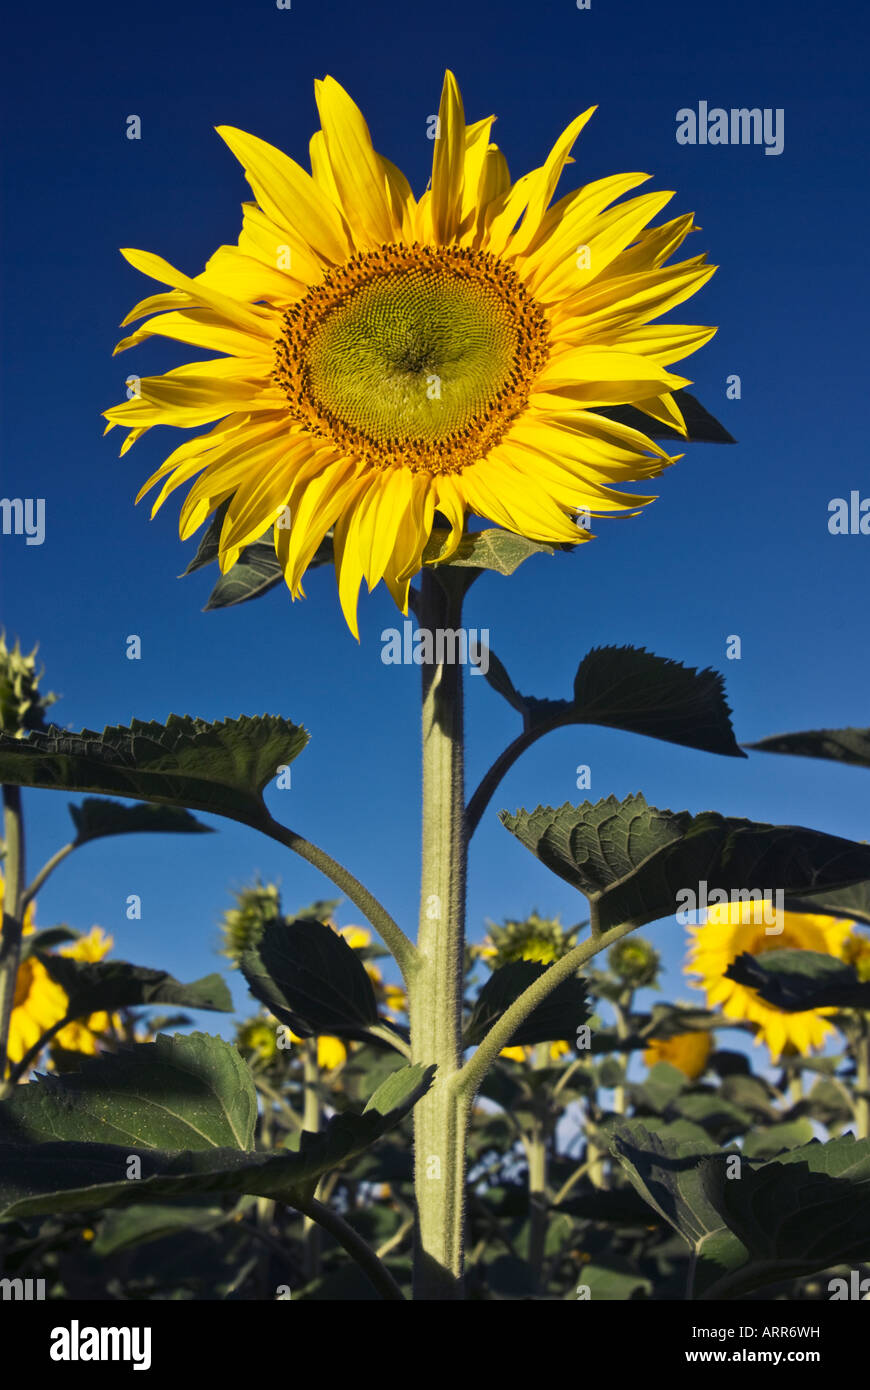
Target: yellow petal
289 195
448 164
358 173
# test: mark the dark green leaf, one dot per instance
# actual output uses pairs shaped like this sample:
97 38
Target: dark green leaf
46 940
209 546
785 1218
839 745
94 819
554 1020
635 862
80 1176
97 986
610 1284
632 689
798 980
661 1086
670 1020
191 1092
256 571
701 425
767 1143
717 1115
309 978
852 902
124 1229
219 767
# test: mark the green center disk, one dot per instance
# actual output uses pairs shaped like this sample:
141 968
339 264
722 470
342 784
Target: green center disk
414 355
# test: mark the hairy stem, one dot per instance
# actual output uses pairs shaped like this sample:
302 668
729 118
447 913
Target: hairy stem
435 989
469 1078
47 869
502 765
862 1082
10 942
351 1241
536 1145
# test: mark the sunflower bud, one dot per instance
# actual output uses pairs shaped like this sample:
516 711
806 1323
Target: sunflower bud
243 926
634 961
536 938
856 950
22 707
256 1035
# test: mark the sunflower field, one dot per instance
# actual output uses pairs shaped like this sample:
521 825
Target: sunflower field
643 1076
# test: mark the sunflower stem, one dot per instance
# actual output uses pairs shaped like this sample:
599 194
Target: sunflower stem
862 1081
389 930
436 986
537 1145
311 1117
359 1250
10 942
469 1078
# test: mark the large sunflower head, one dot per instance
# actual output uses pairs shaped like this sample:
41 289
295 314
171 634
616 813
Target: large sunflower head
733 928
389 360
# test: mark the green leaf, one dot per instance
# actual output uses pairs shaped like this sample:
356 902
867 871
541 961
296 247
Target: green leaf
670 1020
81 1176
493 549
798 980
220 767
555 1019
309 978
632 689
192 1092
661 1086
701 425
136 1225
781 1219
837 745
716 1114
635 862
104 986
767 1143
682 1182
46 940
852 902
606 1283
209 546
256 571
94 819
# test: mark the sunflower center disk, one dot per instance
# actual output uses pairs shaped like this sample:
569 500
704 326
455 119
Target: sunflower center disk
413 355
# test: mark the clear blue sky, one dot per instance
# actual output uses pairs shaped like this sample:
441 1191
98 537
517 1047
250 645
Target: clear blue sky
737 544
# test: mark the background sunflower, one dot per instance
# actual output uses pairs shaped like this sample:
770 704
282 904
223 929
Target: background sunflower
732 929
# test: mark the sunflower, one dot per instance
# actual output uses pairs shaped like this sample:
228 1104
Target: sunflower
389 360
689 1052
539 939
732 929
39 1003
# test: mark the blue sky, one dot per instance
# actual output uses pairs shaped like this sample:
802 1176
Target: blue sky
737 544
